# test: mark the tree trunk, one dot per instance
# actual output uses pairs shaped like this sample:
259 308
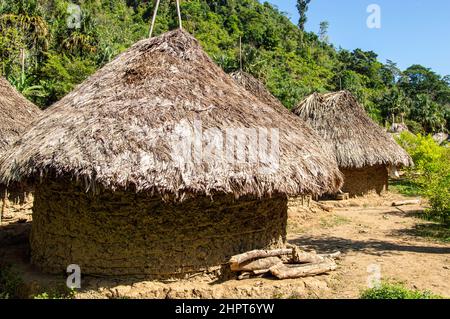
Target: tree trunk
22 62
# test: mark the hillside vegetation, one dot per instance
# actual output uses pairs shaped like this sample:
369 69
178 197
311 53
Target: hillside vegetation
45 52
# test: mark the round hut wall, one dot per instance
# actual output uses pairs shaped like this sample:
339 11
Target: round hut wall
128 233
362 181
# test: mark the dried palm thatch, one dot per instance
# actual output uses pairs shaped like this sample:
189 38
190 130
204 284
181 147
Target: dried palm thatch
117 130
357 140
257 88
16 113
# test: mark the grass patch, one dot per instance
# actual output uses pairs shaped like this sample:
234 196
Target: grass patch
405 187
61 293
334 221
295 228
435 231
396 291
292 295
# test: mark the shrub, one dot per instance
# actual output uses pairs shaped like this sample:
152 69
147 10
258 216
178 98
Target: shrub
431 172
68 294
423 149
414 127
10 282
437 189
396 291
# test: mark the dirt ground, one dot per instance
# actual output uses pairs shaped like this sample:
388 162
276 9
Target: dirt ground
370 233
373 235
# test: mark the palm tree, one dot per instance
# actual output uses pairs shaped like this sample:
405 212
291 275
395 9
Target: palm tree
25 16
395 103
429 113
24 85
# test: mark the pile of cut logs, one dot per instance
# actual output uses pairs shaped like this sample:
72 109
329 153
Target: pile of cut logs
288 263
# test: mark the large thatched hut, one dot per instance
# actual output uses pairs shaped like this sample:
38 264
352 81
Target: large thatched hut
16 113
364 151
140 170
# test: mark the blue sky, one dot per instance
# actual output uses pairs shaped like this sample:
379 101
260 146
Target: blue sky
412 31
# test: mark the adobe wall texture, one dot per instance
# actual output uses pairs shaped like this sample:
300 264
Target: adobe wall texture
124 233
369 179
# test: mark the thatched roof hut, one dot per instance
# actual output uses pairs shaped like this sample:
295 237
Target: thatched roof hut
260 91
162 206
115 129
359 143
16 114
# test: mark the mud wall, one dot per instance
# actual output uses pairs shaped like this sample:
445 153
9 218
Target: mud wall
124 233
16 201
369 179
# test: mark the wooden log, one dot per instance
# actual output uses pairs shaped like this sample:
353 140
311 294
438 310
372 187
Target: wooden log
261 272
297 249
406 202
283 271
244 275
303 257
254 254
258 264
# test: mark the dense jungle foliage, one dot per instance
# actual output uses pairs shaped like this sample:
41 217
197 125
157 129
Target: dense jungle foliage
45 50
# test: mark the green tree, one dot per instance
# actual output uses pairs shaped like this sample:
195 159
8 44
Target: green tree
394 103
45 58
428 112
24 36
323 32
302 7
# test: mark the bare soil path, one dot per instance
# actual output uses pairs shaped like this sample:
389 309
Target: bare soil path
373 235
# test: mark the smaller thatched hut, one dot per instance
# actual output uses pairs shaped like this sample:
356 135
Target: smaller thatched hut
260 91
16 113
364 151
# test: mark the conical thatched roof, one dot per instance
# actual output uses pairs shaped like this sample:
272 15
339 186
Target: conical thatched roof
257 88
118 129
16 113
357 140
